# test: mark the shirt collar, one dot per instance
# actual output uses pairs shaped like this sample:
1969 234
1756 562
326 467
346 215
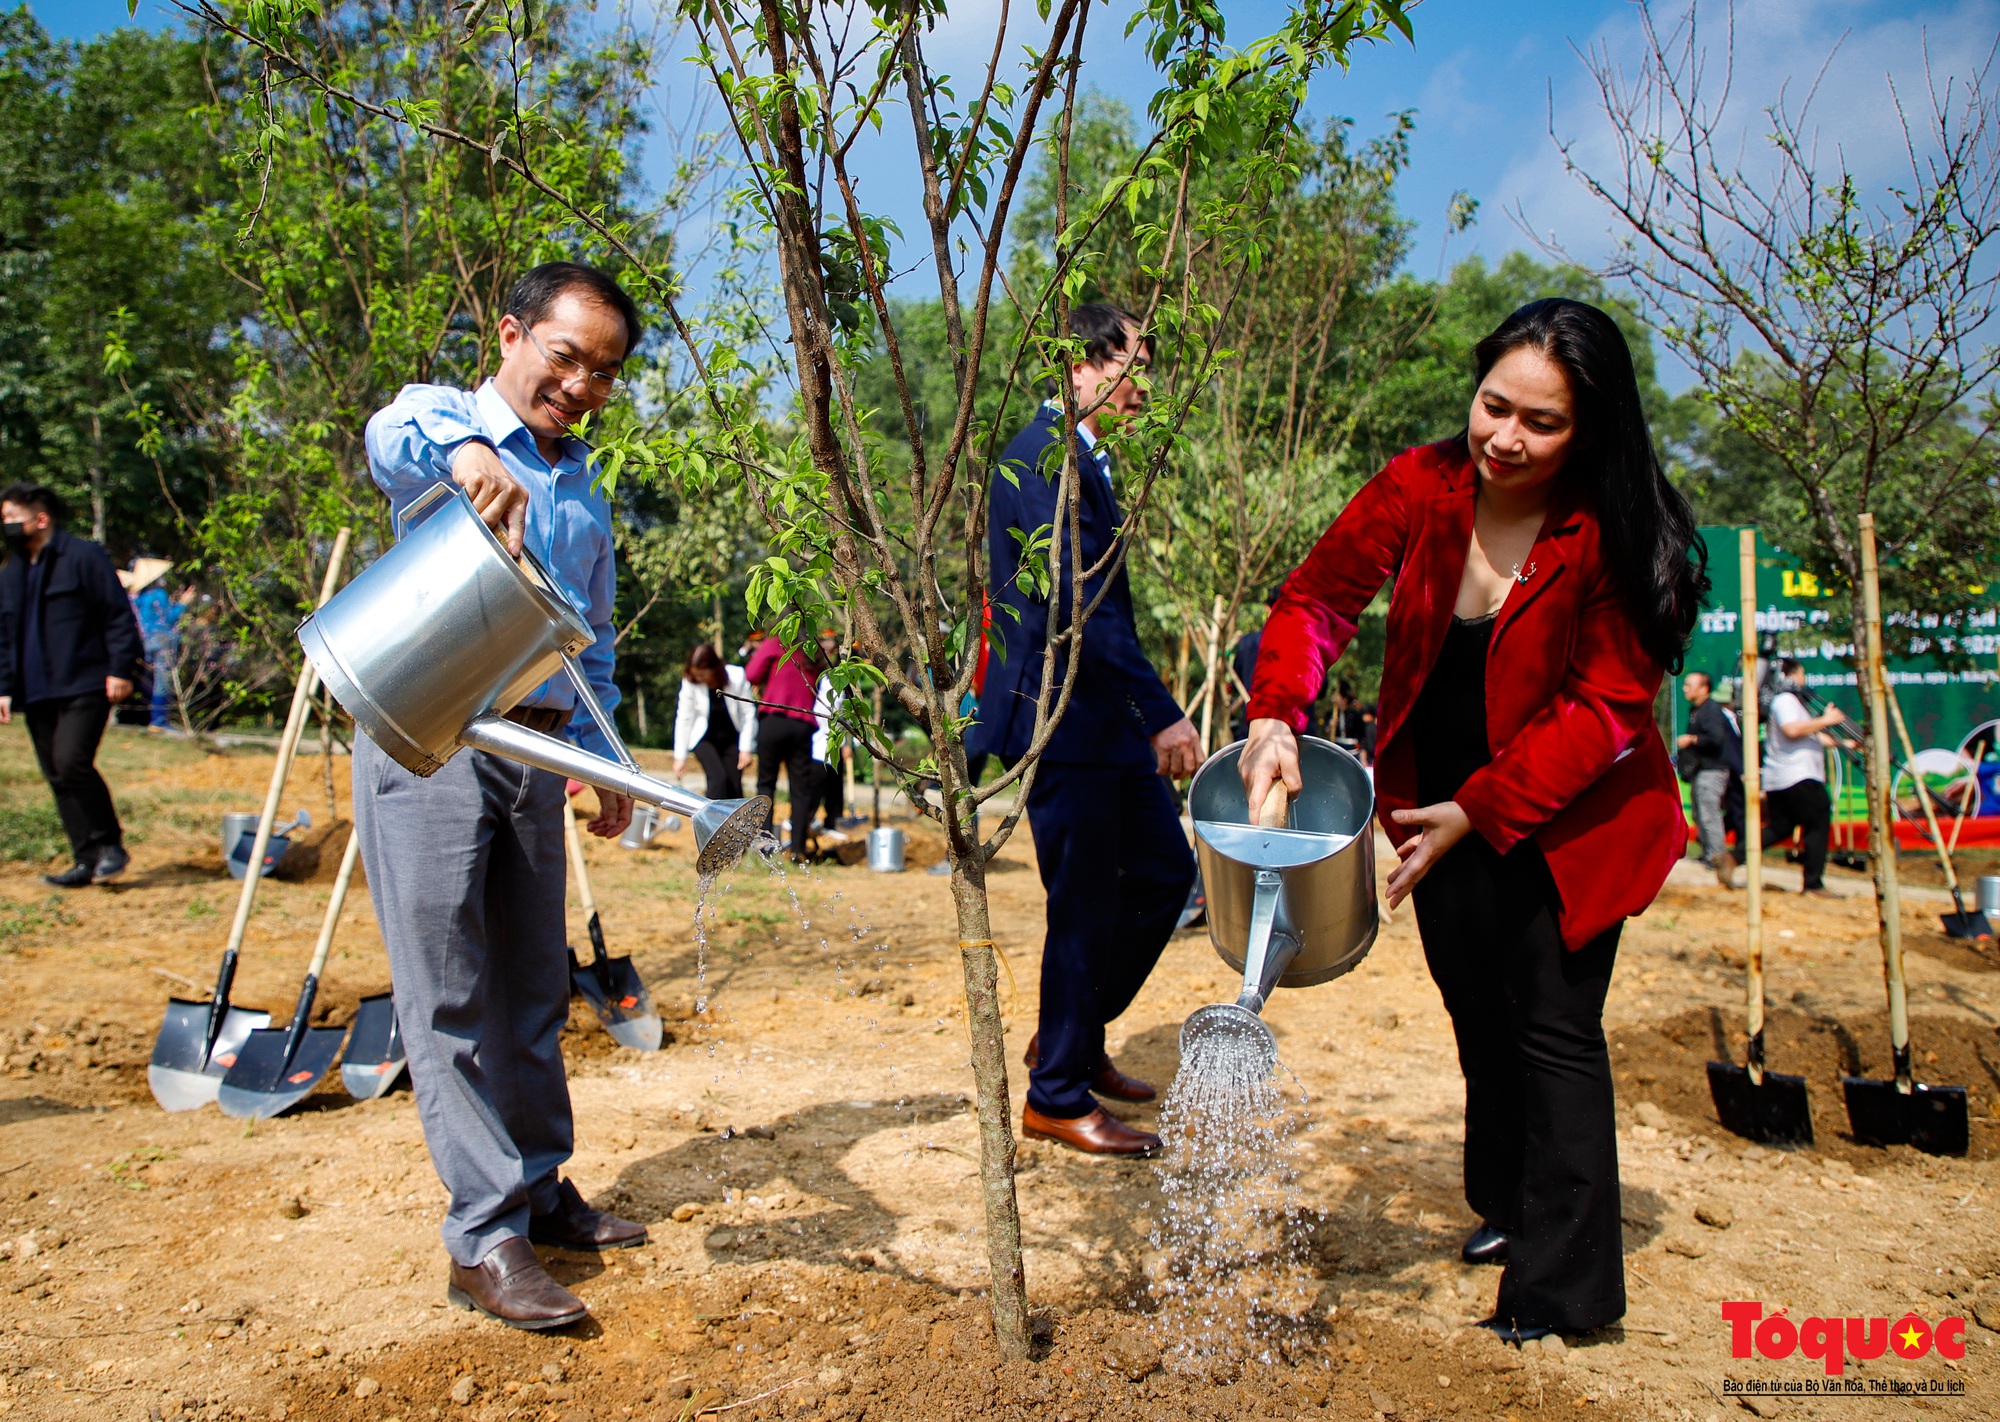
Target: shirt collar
1083 433
503 424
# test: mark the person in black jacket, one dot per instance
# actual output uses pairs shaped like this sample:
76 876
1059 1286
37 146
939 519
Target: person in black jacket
1711 755
1114 860
69 648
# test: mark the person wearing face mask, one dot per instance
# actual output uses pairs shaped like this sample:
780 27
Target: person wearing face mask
1114 860
1545 578
468 867
69 650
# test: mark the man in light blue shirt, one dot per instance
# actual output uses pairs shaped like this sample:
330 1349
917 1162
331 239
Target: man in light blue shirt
467 867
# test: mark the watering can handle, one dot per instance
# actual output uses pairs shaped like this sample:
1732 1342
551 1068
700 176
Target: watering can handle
1275 812
421 508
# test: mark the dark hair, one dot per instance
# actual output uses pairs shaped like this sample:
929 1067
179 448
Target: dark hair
36 496
1102 328
1789 665
535 293
1651 541
1706 680
703 658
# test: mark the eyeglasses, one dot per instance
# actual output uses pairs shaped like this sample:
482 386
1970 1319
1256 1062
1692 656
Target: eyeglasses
567 369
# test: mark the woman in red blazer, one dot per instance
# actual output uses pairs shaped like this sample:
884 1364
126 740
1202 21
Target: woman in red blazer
1545 577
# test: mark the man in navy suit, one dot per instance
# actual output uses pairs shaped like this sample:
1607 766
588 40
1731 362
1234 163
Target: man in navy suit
1114 861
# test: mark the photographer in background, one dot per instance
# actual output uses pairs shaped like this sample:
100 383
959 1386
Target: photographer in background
69 649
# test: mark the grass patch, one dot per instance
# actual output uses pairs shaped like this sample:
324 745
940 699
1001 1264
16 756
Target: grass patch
19 919
31 831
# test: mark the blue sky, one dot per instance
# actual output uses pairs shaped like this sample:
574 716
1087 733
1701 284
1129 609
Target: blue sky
1484 79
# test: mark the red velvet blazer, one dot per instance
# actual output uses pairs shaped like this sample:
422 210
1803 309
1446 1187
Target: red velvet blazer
1577 762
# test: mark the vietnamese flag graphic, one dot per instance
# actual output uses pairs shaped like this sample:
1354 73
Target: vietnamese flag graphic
1911 1337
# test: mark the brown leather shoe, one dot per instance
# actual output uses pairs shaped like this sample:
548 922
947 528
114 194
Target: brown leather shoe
1109 1081
575 1225
1096 1134
1725 869
511 1285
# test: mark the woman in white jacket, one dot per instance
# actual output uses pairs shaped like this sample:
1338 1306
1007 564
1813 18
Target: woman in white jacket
715 721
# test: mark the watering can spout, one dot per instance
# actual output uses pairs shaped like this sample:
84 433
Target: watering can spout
445 630
1238 1028
724 830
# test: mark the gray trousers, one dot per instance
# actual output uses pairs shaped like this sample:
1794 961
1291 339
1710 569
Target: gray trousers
467 870
1709 787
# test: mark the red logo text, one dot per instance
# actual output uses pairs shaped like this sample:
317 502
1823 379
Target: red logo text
1832 1341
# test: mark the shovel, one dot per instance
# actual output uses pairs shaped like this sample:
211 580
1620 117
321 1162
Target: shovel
279 1065
1902 1111
1759 1105
375 1052
1956 925
610 985
199 1041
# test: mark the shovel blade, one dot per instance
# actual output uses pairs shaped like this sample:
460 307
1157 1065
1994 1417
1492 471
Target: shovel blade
1970 924
1931 1118
624 1006
375 1052
263 1082
1775 1113
183 1073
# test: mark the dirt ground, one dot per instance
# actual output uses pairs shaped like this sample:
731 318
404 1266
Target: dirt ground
804 1155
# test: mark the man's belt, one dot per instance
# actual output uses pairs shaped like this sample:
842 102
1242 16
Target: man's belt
546 719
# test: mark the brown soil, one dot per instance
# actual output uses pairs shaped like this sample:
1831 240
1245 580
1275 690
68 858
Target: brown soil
804 1154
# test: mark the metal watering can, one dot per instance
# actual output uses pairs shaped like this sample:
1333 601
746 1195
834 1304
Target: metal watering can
1291 903
434 640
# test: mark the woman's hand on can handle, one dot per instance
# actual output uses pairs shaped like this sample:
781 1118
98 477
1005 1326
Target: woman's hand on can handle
1272 753
1443 825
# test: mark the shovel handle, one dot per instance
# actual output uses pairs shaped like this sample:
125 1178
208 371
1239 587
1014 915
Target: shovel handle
577 863
1275 812
1923 790
1753 806
218 1006
288 745
348 859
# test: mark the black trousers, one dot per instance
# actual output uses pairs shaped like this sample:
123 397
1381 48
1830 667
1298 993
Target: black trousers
832 796
725 781
1541 1150
1117 868
1803 806
66 733
787 741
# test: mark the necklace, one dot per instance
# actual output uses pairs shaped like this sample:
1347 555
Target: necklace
1518 576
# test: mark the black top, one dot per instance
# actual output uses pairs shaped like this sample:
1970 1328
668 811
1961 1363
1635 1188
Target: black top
1449 719
721 732
1717 744
82 616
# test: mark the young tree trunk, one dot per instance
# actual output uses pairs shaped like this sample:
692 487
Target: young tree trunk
96 480
989 1074
1209 661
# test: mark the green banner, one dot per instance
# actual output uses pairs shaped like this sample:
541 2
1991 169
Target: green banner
1941 705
